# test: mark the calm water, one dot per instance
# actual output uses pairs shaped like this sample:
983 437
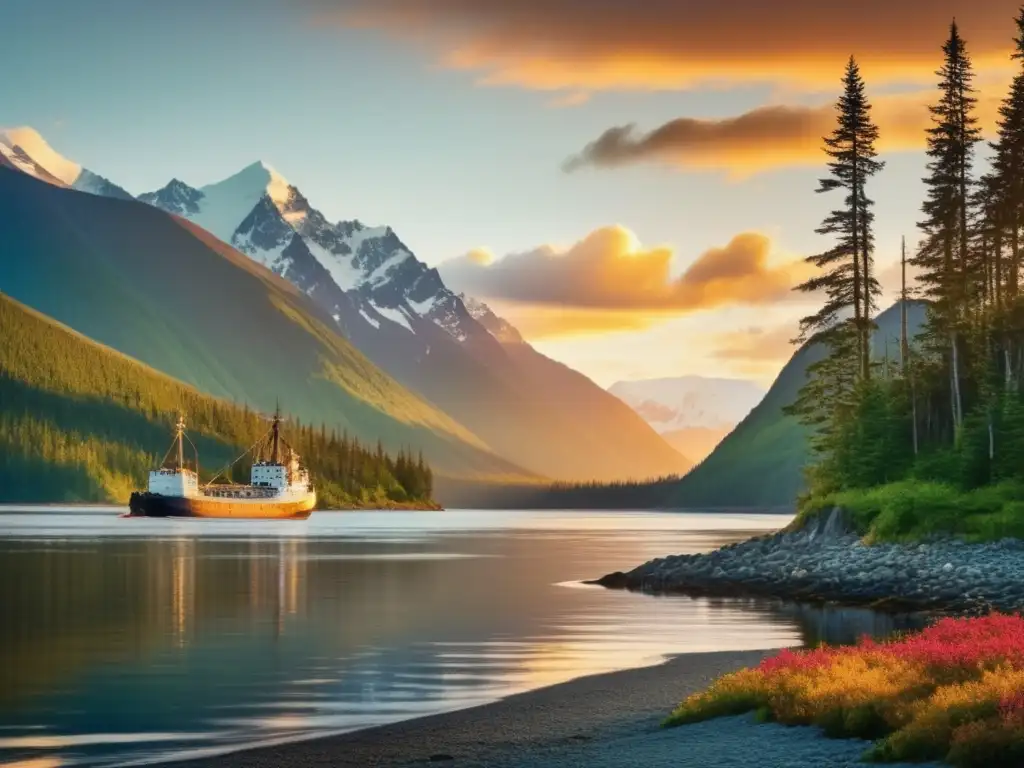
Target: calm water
126 640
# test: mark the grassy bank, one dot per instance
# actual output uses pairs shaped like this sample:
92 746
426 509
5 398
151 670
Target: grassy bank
953 692
911 510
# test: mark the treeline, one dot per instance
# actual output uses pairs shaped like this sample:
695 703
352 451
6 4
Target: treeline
342 463
80 422
952 409
640 494
649 494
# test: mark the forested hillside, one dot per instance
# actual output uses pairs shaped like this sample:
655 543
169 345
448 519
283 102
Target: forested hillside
946 427
81 422
761 463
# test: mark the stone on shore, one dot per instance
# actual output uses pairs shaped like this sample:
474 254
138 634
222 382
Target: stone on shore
827 561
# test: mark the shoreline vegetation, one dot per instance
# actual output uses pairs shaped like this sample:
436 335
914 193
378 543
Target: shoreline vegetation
914 494
952 692
915 478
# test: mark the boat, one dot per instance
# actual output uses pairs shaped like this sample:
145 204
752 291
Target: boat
279 486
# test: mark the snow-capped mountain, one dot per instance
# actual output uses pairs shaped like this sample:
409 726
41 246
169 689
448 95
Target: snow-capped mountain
177 197
690 401
692 413
25 150
397 311
260 213
453 350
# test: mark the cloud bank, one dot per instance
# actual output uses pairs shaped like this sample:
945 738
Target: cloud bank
763 139
588 45
609 281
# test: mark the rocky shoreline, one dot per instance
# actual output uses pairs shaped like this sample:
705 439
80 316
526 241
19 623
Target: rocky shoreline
827 562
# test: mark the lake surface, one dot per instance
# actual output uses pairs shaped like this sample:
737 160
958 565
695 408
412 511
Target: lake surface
138 640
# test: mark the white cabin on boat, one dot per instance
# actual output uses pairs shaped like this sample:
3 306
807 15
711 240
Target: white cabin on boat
183 483
280 476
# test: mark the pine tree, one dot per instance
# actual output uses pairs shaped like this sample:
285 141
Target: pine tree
847 280
1002 195
848 268
948 273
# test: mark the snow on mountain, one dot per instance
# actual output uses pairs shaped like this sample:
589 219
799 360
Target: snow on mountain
673 404
400 314
498 327
27 151
177 197
95 184
226 204
260 213
34 146
16 158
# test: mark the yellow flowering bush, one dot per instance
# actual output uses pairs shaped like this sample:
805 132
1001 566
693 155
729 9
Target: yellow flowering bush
954 691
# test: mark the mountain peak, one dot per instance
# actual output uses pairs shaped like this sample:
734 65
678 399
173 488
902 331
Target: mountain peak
176 197
227 203
262 174
34 146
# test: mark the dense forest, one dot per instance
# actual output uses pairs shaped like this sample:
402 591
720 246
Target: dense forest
81 422
951 413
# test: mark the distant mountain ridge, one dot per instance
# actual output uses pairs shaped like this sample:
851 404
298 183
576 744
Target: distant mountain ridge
692 413
690 401
23 149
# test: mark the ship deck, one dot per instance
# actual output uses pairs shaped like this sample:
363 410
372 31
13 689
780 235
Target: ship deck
226 491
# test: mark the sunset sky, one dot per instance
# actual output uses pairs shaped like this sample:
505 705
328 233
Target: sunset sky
631 183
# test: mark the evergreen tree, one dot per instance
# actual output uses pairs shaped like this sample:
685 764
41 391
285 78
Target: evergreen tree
848 279
949 275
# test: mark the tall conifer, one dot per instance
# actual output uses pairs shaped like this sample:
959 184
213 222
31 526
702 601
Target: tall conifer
847 278
948 272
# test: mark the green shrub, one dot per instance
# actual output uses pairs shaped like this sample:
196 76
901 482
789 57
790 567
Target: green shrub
912 510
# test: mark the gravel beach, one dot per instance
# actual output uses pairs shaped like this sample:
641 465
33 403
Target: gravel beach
606 721
828 563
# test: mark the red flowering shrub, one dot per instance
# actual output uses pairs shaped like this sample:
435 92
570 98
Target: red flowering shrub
954 690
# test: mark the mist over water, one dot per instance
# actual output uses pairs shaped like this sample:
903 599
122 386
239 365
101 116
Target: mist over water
129 640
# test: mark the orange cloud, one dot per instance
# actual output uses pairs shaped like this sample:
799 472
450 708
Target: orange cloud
765 138
586 45
540 322
608 281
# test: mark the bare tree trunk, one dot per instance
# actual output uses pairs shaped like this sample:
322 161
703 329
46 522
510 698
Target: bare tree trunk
913 407
1015 260
905 367
866 332
904 341
957 404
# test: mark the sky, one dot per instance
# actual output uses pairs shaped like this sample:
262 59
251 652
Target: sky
631 184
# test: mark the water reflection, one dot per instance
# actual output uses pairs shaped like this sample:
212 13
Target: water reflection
139 640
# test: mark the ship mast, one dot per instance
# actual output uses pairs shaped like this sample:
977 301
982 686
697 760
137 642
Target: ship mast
180 427
274 451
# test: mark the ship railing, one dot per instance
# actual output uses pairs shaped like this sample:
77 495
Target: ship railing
239 491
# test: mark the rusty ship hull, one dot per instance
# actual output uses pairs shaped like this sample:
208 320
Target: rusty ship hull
156 505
